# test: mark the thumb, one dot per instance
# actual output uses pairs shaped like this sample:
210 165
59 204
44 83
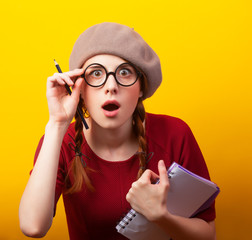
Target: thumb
77 88
162 172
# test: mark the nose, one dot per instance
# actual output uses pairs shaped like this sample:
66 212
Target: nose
111 85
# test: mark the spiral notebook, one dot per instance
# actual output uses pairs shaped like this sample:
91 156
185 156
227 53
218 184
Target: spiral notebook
188 195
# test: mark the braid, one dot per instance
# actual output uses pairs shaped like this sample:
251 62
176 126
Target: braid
138 119
138 126
79 169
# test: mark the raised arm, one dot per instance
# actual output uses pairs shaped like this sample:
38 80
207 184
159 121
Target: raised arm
37 203
150 200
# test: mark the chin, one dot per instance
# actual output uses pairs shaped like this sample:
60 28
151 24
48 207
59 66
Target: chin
113 123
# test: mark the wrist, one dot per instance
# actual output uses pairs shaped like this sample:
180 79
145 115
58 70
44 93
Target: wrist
162 216
56 127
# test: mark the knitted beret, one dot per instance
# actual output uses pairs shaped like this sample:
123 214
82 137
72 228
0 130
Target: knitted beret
122 41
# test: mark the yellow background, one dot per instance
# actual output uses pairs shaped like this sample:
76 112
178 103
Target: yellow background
205 51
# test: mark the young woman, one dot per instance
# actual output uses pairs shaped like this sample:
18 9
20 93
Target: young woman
105 170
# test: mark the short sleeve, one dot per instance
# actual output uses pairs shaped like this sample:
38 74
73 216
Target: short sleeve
192 159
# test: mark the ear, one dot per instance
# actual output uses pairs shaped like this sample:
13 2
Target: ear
140 94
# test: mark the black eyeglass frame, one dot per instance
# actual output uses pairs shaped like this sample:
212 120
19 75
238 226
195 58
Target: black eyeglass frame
139 74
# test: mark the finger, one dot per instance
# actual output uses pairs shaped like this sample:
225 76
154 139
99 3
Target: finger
154 177
162 172
77 88
75 73
54 80
149 176
63 76
57 79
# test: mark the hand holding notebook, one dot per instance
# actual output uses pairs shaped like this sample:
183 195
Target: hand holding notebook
148 198
188 195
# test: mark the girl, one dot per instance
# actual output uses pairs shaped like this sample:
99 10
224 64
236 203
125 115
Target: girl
109 168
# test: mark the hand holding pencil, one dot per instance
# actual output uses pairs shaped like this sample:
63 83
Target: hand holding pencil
62 102
69 92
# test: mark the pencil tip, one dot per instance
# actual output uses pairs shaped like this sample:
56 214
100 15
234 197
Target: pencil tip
55 62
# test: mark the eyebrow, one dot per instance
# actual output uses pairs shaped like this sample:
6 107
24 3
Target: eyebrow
99 65
95 66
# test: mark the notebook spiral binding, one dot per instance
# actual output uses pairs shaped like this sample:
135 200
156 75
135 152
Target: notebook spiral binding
125 221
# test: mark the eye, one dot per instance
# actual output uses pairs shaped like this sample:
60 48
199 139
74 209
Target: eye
124 72
96 73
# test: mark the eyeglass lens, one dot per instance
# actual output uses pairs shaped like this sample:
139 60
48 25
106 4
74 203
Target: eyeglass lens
96 74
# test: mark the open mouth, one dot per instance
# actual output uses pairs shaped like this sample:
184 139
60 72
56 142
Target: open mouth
110 107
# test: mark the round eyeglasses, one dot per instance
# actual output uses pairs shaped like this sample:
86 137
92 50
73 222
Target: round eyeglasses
125 74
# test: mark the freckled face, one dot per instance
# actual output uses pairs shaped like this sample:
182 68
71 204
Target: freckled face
110 105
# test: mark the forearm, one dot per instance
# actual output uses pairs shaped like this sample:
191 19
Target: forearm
180 228
37 203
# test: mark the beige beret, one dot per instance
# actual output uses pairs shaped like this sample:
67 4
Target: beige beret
122 41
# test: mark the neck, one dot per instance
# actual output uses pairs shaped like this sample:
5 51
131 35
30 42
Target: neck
115 144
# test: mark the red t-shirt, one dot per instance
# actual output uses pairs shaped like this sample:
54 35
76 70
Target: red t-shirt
94 215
